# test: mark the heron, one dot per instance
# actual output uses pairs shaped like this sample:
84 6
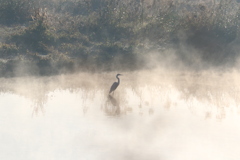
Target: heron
115 84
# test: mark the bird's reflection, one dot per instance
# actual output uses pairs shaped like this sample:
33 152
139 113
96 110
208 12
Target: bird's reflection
111 107
39 100
113 101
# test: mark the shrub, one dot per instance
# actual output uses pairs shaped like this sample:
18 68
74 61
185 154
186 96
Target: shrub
8 51
15 11
211 29
37 37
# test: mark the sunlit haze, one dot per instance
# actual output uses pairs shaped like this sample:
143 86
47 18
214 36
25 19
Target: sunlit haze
177 96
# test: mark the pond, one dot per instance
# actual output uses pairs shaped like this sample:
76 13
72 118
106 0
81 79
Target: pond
152 115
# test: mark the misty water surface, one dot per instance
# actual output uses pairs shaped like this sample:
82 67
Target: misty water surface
155 115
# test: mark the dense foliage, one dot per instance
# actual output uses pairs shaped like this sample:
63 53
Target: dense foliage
67 35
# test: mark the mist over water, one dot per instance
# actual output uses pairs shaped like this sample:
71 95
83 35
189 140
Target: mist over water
178 98
153 114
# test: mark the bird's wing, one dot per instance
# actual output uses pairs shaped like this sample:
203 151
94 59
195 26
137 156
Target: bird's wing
113 87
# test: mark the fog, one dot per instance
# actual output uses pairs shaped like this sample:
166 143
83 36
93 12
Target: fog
178 97
164 112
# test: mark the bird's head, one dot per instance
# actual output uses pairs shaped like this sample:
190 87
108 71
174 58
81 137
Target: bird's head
118 75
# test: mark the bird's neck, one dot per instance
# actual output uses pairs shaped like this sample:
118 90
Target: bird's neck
118 80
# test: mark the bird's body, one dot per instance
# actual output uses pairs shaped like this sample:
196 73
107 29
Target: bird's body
115 84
